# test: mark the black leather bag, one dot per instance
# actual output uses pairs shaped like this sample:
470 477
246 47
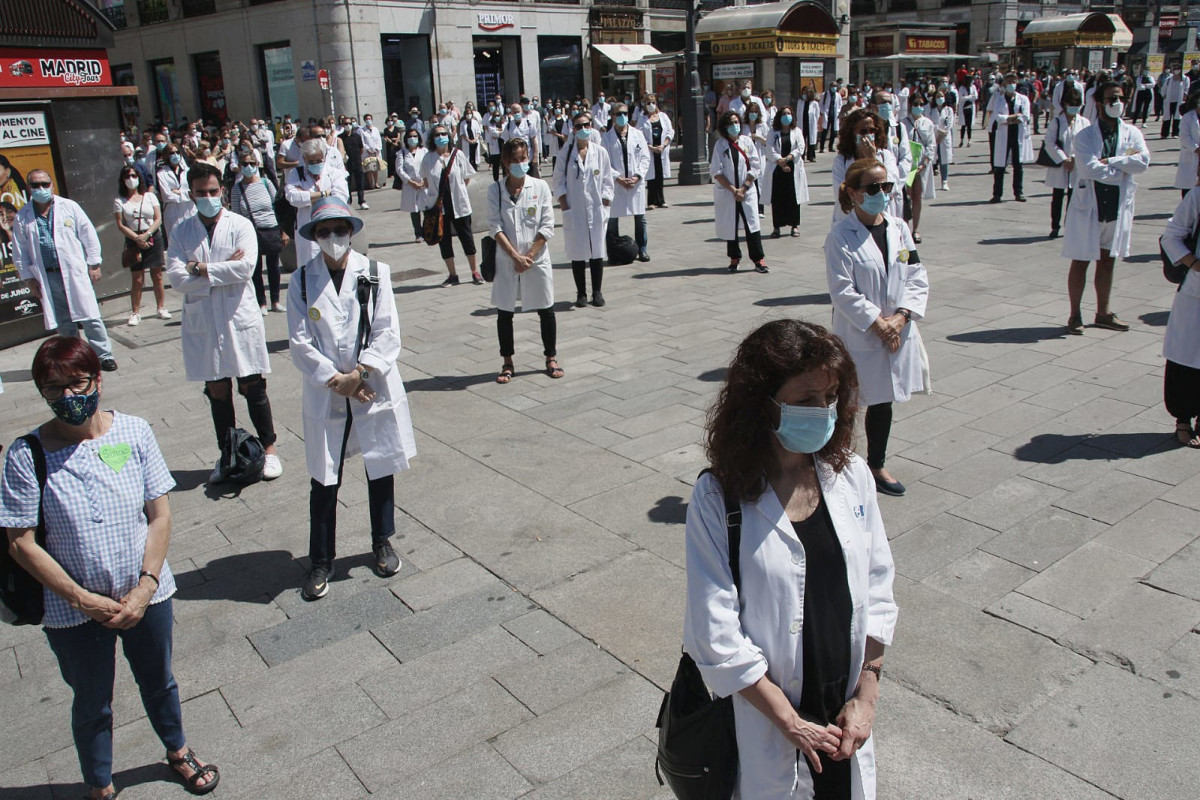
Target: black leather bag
487 247
697 741
621 250
1043 157
22 594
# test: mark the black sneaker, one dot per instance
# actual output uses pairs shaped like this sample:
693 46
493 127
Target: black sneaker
109 365
761 266
316 582
451 281
643 256
387 563
996 200
581 300
1020 198
597 299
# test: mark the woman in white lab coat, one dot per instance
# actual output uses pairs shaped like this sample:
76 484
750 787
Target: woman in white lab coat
734 169
808 115
1181 343
470 134
759 129
784 181
408 173
1189 145
450 163
521 220
797 636
309 182
922 131
659 132
172 187
865 135
878 287
968 102
584 186
352 398
943 117
1060 145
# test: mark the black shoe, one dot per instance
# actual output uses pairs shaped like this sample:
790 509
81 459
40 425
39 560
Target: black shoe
1020 198
775 233
761 266
643 256
316 582
1054 233
996 200
733 265
597 299
893 488
581 300
387 563
109 365
451 281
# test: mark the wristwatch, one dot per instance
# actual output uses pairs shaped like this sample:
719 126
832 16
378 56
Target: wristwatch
193 267
904 312
364 374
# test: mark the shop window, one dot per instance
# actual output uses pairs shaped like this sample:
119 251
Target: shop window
114 11
560 66
198 8
407 73
166 90
151 12
122 75
210 86
278 79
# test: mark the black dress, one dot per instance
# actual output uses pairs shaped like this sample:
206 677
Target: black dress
655 185
785 210
826 642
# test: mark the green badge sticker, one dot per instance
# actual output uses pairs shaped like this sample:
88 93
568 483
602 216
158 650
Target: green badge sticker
115 455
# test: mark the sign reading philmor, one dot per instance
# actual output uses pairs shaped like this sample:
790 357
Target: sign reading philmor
22 68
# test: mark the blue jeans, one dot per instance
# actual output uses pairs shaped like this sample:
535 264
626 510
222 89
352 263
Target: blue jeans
93 329
87 659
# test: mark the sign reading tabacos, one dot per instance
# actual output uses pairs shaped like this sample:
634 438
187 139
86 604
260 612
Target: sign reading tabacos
25 68
491 21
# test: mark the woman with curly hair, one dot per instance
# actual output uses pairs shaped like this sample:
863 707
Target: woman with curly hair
865 135
797 636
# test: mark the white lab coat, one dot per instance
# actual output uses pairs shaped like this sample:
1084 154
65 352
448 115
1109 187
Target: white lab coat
899 142
175 195
760 132
864 287
1181 343
461 171
895 202
586 183
553 128
471 128
966 94
628 202
298 191
738 106
1189 140
223 335
737 638
493 128
808 115
1089 105
1081 229
521 221
77 245
1061 131
831 108
777 148
924 132
408 167
902 101
600 113
668 136
1174 90
321 347
728 162
999 109
944 119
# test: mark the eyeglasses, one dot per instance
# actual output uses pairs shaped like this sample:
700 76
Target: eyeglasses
39 184
579 125
53 391
874 188
325 233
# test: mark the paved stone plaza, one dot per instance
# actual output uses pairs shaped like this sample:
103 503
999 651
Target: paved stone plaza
1048 573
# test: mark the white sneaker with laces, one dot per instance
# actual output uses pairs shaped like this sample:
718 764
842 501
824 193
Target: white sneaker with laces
273 468
363 207
163 314
135 319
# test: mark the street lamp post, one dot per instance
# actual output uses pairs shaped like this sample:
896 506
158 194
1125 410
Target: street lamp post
693 171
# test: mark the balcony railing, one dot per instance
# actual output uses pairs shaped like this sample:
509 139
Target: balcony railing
115 15
198 8
151 12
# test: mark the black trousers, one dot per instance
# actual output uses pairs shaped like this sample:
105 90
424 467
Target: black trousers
355 179
322 509
1181 391
1056 206
1158 104
461 227
268 257
415 218
878 424
549 326
1014 157
1141 105
579 270
494 160
828 134
654 186
753 239
810 152
1170 126
968 122
254 389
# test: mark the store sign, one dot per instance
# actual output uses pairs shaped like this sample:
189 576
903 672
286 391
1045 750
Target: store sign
25 69
812 69
1155 64
308 71
21 130
777 46
874 46
1166 25
1096 60
733 71
25 144
490 21
601 19
927 44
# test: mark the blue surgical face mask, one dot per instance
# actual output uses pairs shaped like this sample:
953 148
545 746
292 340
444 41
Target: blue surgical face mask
1073 110
622 120
441 141
918 111
41 195
249 170
519 169
315 169
874 203
160 146
885 110
734 130
786 119
752 116
174 159
208 206
76 409
583 134
805 429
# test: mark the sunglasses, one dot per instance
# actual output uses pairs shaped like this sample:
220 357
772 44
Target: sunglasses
325 233
579 125
875 188
39 184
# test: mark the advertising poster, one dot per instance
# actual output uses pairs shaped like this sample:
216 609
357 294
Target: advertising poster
24 145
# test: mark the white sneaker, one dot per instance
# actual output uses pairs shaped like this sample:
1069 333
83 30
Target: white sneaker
135 319
945 186
273 468
363 207
263 309
163 314
278 308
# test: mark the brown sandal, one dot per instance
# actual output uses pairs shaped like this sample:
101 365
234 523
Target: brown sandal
1191 438
192 783
553 369
506 374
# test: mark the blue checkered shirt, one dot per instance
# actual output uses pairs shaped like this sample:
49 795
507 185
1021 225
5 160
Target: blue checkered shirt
96 523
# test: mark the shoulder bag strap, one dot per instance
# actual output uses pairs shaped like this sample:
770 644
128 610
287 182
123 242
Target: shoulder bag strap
366 299
39 469
733 531
303 287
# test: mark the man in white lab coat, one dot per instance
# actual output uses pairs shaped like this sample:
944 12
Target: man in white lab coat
831 111
630 158
57 254
1012 143
1175 90
210 260
1100 217
353 398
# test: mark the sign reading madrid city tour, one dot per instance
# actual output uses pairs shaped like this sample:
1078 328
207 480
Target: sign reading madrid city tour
34 68
493 21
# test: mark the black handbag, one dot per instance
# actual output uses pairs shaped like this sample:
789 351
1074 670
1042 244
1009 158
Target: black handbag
1043 158
22 594
1177 273
697 740
487 246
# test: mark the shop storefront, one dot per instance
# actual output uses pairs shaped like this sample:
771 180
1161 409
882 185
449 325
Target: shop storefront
1075 41
886 53
785 46
618 45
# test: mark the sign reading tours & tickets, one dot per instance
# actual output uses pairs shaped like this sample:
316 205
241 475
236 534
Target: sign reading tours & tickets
24 145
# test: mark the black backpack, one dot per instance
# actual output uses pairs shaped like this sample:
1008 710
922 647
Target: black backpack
697 741
621 250
22 594
242 457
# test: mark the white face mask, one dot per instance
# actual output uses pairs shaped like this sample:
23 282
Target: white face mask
131 183
1115 109
335 246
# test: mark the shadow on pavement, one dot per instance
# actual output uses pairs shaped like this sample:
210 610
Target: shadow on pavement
1157 319
16 376
681 273
188 479
450 383
1016 240
1008 335
1058 448
794 300
668 511
254 577
1143 258
277 346
714 375
157 772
